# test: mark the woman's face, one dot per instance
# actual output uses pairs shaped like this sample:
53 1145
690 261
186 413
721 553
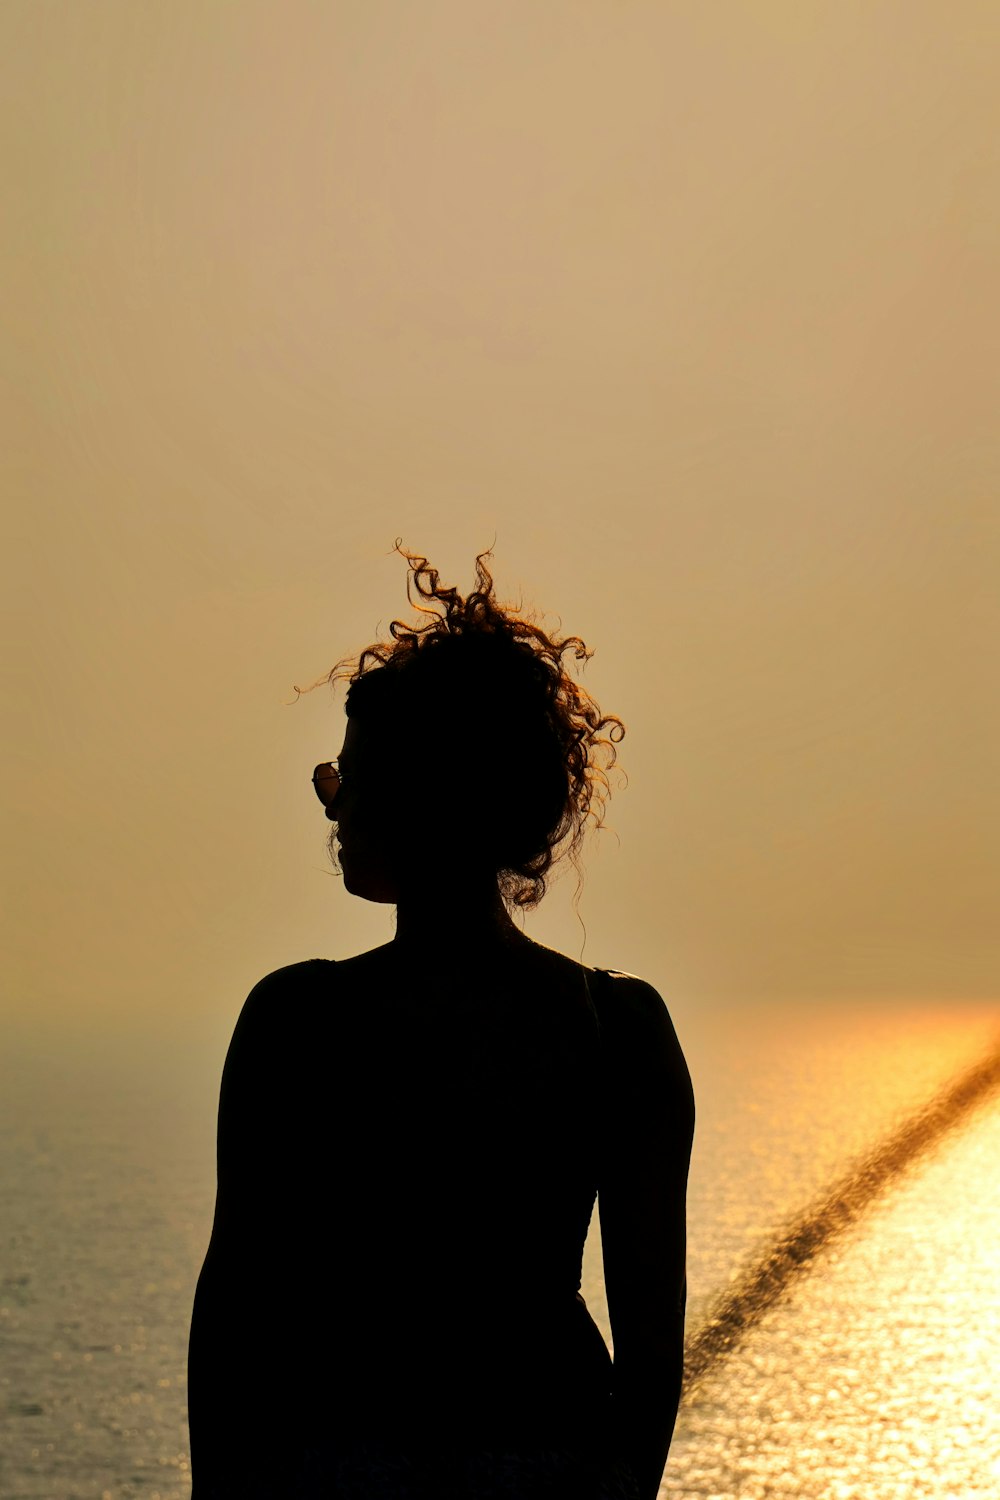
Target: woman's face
362 811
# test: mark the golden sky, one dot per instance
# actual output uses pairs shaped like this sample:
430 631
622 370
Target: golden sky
692 307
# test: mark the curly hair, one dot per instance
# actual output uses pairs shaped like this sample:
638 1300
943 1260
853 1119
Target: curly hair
510 754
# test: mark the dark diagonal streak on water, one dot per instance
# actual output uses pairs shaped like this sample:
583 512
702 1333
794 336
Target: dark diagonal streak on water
791 1255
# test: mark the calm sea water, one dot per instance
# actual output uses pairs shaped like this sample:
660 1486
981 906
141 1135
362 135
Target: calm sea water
874 1377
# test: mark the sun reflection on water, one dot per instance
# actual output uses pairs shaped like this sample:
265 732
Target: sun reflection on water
874 1375
793 1251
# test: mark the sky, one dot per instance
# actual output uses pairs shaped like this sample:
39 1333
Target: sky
689 311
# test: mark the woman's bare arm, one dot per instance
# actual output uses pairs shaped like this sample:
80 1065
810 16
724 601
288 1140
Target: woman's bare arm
642 1206
230 1370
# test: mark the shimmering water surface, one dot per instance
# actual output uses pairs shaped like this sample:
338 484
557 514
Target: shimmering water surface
873 1376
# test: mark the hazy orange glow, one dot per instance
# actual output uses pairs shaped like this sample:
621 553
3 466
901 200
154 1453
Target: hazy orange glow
689 307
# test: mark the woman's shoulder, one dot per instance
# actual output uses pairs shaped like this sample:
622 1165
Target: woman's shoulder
288 982
280 1004
630 1002
631 991
306 992
638 1023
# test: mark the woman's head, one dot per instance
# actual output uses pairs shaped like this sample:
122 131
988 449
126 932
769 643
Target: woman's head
471 752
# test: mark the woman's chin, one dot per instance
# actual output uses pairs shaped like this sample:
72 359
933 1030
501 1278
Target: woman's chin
368 883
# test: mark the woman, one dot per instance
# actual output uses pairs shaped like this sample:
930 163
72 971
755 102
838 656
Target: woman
411 1140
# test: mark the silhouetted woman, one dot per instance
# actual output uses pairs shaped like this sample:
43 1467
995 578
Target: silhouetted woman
411 1140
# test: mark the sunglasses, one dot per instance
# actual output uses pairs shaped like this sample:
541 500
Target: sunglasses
327 781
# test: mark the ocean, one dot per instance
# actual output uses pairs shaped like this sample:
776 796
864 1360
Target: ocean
868 1369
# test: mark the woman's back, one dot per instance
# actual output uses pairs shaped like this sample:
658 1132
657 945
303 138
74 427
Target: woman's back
430 1147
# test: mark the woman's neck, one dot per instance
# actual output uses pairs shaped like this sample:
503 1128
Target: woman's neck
473 918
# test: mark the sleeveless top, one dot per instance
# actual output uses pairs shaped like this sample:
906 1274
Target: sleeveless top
428 1173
